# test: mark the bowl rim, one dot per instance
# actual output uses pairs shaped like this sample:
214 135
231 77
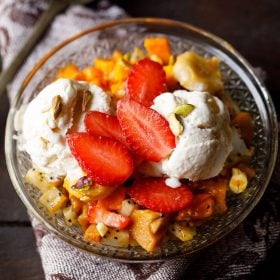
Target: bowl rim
143 20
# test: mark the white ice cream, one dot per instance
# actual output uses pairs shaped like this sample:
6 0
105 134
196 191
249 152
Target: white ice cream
44 138
205 143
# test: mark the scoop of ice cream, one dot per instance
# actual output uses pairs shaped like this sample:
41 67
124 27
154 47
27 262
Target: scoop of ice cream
206 141
57 109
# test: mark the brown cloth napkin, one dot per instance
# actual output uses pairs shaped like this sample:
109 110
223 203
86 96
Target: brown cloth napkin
234 257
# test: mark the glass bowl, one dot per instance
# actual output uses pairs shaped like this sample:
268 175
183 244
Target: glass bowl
240 81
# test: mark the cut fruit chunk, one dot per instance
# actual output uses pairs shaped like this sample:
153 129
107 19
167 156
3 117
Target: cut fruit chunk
146 131
145 81
116 238
154 194
141 231
106 161
97 213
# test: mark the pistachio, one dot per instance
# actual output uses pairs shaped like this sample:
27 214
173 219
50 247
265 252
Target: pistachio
87 96
238 181
183 110
83 184
175 125
56 106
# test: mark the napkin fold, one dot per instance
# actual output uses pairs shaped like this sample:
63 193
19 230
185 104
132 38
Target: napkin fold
235 256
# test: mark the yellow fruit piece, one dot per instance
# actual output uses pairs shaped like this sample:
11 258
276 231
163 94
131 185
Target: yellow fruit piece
70 216
195 72
119 72
238 181
102 229
118 89
170 79
53 200
117 238
71 71
92 194
106 65
93 75
159 223
41 180
182 231
92 234
83 218
141 231
158 46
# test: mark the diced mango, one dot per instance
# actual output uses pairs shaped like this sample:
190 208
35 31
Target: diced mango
141 231
106 65
83 218
92 234
71 71
170 79
158 46
93 75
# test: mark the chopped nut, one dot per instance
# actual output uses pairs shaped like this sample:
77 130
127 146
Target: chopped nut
84 183
238 181
87 96
175 125
183 110
56 106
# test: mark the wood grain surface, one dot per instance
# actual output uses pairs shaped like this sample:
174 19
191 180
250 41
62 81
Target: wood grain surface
253 27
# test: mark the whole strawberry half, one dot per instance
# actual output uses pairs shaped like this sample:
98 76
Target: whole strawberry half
146 131
105 160
155 195
145 81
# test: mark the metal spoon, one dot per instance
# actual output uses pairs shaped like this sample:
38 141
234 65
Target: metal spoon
55 7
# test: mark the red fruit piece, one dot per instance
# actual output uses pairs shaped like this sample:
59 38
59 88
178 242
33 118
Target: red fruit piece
101 124
145 81
146 131
97 213
106 161
155 195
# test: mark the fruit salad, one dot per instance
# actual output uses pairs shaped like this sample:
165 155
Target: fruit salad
138 148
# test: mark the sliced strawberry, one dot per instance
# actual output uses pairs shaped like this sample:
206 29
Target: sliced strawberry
145 81
97 213
101 124
146 131
155 195
105 160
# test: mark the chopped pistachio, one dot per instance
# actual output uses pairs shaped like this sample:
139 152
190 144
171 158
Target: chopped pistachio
175 125
56 106
83 184
183 110
87 96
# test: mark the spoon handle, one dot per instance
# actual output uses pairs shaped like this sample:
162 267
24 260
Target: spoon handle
40 27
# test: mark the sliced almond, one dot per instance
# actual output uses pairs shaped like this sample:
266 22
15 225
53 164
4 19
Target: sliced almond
238 181
56 106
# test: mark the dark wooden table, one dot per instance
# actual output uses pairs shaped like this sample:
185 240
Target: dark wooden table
252 26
